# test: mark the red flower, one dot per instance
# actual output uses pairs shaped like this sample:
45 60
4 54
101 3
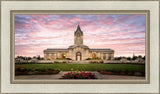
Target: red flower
81 75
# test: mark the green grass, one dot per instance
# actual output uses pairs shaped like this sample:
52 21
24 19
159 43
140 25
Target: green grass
86 67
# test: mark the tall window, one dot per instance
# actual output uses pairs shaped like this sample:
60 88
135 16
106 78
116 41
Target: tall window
104 56
48 58
52 56
63 55
93 55
109 57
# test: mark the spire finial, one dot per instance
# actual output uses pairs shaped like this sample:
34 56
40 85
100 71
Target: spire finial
78 29
78 26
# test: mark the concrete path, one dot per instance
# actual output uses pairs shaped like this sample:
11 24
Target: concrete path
57 76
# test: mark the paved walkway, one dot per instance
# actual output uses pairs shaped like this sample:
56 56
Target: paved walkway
57 76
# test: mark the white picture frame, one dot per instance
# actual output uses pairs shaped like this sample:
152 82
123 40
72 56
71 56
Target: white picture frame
8 87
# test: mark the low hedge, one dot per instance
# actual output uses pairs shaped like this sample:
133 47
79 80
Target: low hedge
122 72
96 62
23 71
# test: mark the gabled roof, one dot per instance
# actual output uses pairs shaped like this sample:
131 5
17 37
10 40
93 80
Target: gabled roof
75 45
55 49
102 50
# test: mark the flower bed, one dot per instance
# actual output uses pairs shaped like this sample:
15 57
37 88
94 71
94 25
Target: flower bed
33 71
124 72
79 75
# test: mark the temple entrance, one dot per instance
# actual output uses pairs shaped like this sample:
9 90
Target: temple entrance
78 56
63 56
93 55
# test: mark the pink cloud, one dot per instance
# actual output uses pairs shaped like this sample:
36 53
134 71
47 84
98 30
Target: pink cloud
34 33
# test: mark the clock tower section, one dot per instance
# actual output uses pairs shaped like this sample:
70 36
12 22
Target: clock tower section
78 36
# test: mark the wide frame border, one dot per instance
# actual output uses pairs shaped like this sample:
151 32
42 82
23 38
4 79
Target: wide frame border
84 12
101 0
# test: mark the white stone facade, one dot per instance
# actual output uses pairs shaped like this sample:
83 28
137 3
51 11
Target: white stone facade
78 51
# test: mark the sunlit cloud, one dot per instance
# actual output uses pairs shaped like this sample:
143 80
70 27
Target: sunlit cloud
123 33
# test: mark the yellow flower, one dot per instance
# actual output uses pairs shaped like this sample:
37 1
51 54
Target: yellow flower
71 69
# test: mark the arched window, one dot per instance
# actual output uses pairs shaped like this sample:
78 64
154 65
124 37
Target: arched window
109 57
52 56
78 56
93 55
47 55
104 56
48 58
63 55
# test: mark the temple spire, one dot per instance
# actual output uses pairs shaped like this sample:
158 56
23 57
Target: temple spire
78 36
133 55
78 29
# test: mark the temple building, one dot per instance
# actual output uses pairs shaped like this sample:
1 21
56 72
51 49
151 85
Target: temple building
78 51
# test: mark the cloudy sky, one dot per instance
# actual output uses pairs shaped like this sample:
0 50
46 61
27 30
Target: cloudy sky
123 33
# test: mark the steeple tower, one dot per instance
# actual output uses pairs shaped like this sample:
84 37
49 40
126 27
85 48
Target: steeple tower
78 36
133 55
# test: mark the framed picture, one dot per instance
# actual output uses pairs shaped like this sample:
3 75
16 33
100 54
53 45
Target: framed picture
80 46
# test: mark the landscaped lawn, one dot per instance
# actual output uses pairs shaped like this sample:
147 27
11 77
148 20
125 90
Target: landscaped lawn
85 67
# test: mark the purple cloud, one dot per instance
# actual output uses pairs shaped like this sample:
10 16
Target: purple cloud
123 33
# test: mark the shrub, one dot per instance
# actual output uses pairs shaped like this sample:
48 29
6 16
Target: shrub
121 72
49 69
43 70
64 62
101 61
37 69
88 59
56 62
68 58
96 58
24 69
20 69
126 71
63 59
79 75
93 62
32 69
98 70
96 62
